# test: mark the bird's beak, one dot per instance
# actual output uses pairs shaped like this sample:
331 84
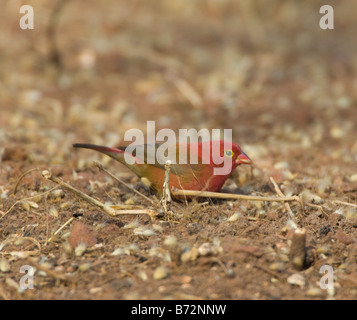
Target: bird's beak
243 159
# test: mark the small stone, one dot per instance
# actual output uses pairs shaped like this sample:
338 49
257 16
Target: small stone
353 178
57 194
337 133
297 279
142 275
205 249
53 212
186 279
287 174
118 252
308 196
234 217
191 255
281 165
277 266
84 267
95 290
342 237
130 201
80 233
160 273
315 293
80 249
4 266
170 241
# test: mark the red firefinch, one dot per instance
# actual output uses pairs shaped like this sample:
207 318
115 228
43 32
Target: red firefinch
202 174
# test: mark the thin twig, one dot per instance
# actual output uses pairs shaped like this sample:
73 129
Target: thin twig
189 93
101 167
61 228
281 194
19 201
207 194
312 205
107 210
271 272
345 203
22 176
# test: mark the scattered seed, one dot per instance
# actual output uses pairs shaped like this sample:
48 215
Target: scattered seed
277 266
297 279
84 267
80 249
4 266
160 272
234 217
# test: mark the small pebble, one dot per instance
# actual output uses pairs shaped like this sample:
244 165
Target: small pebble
53 212
315 292
234 217
308 196
57 194
160 273
142 275
80 249
205 249
4 265
191 255
170 241
84 267
353 178
297 279
277 266
118 252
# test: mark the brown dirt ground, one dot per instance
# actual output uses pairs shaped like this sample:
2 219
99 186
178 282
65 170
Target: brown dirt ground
265 69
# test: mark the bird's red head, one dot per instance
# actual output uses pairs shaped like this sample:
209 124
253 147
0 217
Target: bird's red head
232 151
225 153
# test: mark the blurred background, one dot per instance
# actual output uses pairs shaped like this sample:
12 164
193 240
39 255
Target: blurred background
91 70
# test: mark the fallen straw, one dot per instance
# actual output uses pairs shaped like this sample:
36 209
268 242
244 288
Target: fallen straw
100 166
194 193
281 194
166 195
106 209
109 211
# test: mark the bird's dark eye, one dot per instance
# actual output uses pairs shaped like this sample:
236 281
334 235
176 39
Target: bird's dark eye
228 153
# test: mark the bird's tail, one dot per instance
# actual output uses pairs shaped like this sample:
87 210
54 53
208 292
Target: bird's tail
114 153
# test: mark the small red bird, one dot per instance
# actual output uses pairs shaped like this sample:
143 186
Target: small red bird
199 176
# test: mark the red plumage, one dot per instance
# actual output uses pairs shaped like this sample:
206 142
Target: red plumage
191 175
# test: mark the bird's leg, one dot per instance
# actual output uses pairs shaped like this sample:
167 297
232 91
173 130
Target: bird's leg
166 195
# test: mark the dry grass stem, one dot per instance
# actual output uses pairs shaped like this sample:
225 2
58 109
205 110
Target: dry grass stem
189 93
345 203
281 194
207 194
101 167
61 228
19 201
107 210
22 176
